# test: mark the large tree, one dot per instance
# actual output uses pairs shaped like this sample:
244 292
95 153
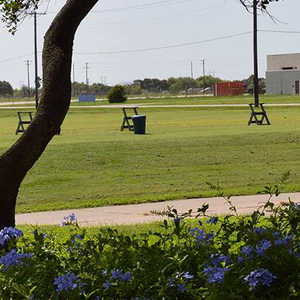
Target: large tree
54 101
56 95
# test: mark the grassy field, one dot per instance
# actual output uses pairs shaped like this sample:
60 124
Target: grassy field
214 100
92 163
169 100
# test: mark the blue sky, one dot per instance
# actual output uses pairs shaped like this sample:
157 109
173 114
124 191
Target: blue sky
116 37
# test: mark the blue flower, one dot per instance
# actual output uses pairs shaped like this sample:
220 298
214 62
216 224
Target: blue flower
180 280
73 240
8 233
126 276
212 220
260 276
115 274
283 242
171 282
177 220
69 220
181 287
218 259
296 206
259 230
194 231
106 285
66 282
209 236
262 247
215 274
201 235
276 234
247 250
186 275
13 258
240 259
79 236
72 217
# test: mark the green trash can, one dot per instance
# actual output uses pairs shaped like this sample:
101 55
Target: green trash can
139 123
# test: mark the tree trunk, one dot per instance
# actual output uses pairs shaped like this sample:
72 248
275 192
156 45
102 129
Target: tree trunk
52 109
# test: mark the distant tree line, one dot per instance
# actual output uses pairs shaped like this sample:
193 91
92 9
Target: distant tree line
149 85
99 89
249 85
172 85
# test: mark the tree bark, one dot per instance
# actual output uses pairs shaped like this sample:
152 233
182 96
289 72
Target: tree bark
52 109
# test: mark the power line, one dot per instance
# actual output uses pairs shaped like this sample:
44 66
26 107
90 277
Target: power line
15 58
142 6
46 10
157 48
166 47
185 44
139 6
278 31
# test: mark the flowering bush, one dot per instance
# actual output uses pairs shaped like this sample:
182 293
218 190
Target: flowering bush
230 257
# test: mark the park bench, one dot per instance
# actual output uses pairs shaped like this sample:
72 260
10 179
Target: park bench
27 121
127 120
258 116
22 121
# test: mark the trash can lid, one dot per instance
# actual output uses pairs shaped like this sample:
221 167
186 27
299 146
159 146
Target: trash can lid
138 116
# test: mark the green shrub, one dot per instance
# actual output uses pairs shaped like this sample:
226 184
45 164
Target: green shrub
232 257
117 94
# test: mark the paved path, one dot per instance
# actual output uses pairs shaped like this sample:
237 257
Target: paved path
141 213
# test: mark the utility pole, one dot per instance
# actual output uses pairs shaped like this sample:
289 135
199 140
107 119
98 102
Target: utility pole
73 85
103 79
35 64
35 56
86 74
203 71
73 72
192 75
255 59
28 78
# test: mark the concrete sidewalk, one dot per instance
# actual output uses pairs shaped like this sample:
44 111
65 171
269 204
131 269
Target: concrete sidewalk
141 213
153 105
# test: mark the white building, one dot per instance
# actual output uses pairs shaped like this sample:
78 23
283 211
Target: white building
283 74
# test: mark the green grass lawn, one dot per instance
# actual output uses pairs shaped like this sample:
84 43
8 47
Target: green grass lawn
169 100
216 100
93 163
